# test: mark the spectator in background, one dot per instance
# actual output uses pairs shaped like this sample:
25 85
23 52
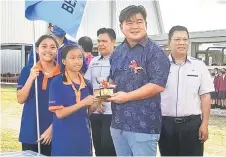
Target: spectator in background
222 88
87 45
101 119
213 94
217 82
216 87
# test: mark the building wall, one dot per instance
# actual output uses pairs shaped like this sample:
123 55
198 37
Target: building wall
152 27
97 14
15 28
11 61
106 14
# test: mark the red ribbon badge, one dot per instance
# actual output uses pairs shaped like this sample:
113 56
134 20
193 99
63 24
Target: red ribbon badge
133 65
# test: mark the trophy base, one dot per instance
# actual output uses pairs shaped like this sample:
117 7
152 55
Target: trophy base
103 93
103 97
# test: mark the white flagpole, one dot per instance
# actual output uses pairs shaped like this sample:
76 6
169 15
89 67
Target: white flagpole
36 92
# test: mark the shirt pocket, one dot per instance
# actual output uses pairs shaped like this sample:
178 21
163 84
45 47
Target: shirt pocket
193 82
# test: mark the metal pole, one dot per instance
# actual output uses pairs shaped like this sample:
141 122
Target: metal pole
36 93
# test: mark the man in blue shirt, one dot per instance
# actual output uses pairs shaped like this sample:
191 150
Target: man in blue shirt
139 69
59 35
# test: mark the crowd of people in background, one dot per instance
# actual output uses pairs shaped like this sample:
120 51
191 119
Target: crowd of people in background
219 95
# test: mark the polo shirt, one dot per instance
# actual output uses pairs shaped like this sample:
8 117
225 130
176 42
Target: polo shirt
71 135
28 128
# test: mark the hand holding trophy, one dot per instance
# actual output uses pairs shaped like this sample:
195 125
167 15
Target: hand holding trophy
97 107
104 92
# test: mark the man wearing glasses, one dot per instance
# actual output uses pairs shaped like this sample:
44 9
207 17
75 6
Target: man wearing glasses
185 102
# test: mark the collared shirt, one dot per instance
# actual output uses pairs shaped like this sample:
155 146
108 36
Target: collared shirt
99 67
71 135
142 116
186 83
28 127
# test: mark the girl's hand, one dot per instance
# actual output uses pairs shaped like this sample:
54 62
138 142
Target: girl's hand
96 106
100 108
34 72
46 137
90 100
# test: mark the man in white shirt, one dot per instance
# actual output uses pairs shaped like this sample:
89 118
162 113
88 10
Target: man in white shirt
101 119
186 101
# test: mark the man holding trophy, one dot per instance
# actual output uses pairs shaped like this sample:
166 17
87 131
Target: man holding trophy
98 72
139 69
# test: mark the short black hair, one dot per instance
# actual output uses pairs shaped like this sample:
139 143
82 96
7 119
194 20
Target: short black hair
86 43
130 11
43 37
177 28
109 31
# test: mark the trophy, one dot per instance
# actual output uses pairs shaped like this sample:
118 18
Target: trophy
105 90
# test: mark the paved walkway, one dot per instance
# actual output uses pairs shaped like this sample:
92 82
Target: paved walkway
218 112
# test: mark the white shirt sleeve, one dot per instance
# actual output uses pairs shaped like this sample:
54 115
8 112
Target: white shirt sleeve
88 74
207 85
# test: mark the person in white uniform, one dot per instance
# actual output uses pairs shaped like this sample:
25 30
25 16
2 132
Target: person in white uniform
101 119
186 101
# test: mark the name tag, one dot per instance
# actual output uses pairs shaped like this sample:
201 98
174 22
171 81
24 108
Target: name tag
193 75
95 64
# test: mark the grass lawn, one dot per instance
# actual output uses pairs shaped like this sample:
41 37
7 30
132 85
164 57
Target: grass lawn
11 114
216 144
10 120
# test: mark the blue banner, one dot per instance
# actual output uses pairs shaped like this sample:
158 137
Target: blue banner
66 14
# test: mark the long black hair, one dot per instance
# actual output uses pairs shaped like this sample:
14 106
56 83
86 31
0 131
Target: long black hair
65 51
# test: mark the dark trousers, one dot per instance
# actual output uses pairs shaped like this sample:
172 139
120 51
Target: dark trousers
102 141
45 149
180 136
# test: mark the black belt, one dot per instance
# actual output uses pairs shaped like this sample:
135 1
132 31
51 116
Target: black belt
184 119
